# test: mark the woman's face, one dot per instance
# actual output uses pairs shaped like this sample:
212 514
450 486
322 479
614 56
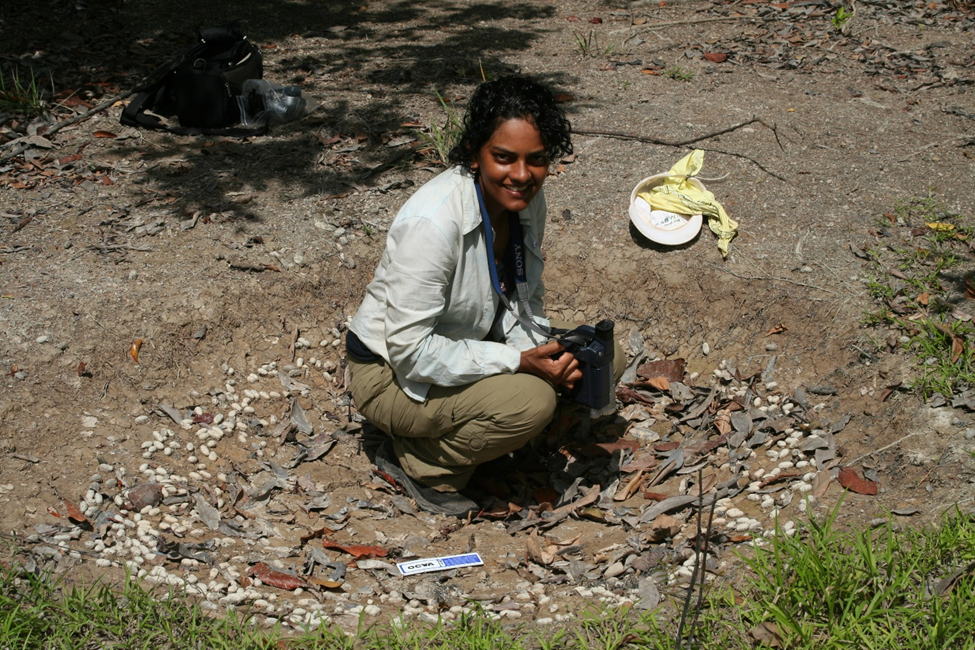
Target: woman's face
511 167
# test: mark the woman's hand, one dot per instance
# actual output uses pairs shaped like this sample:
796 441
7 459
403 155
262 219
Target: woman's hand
563 371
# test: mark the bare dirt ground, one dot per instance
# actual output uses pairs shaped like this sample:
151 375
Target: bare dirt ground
238 263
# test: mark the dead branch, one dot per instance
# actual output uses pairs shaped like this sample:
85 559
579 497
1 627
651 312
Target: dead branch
683 143
773 278
669 143
108 103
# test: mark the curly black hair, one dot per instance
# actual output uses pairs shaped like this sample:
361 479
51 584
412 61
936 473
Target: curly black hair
506 98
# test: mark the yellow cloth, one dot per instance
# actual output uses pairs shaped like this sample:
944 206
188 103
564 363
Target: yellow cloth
677 195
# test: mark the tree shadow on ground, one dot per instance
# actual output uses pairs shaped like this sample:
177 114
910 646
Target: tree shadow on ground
366 64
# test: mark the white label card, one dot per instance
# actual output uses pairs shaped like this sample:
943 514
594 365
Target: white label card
445 563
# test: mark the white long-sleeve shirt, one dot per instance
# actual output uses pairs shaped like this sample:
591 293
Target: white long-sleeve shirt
431 304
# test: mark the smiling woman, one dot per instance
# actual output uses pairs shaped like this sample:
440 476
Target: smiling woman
446 354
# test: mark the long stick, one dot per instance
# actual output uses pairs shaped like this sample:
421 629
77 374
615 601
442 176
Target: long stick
21 148
666 143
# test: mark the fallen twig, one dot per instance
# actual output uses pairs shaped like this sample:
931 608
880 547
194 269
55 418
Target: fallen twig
884 448
21 148
683 143
668 143
695 21
772 277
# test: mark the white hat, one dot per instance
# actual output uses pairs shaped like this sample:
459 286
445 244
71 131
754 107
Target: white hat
659 225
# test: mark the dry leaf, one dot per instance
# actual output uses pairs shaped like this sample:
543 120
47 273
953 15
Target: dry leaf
564 97
104 134
778 329
660 383
630 488
275 578
82 369
356 550
821 483
663 527
767 633
889 390
672 370
134 350
853 482
546 495
716 57
328 584
74 514
957 347
923 298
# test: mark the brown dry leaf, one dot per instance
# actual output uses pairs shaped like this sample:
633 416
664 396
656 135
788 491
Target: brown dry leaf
606 449
646 462
767 633
544 551
82 369
328 584
957 347
924 298
660 383
821 484
74 514
546 495
639 21
716 57
134 350
970 286
722 422
655 496
275 578
145 494
104 134
889 390
356 550
710 480
630 488
564 97
535 551
898 274
778 329
672 369
662 528
851 480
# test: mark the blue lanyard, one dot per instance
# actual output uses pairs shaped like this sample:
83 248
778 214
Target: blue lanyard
517 245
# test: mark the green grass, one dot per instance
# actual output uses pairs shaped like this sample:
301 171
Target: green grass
828 589
678 73
441 139
922 260
822 589
20 95
589 47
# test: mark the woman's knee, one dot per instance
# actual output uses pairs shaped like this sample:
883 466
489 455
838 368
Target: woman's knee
533 406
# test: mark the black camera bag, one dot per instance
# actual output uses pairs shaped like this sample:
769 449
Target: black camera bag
200 87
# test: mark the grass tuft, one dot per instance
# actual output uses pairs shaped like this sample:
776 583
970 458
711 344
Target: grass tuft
678 73
441 139
924 270
824 588
21 95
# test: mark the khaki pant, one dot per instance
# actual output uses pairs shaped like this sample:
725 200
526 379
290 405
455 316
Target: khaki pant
441 441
